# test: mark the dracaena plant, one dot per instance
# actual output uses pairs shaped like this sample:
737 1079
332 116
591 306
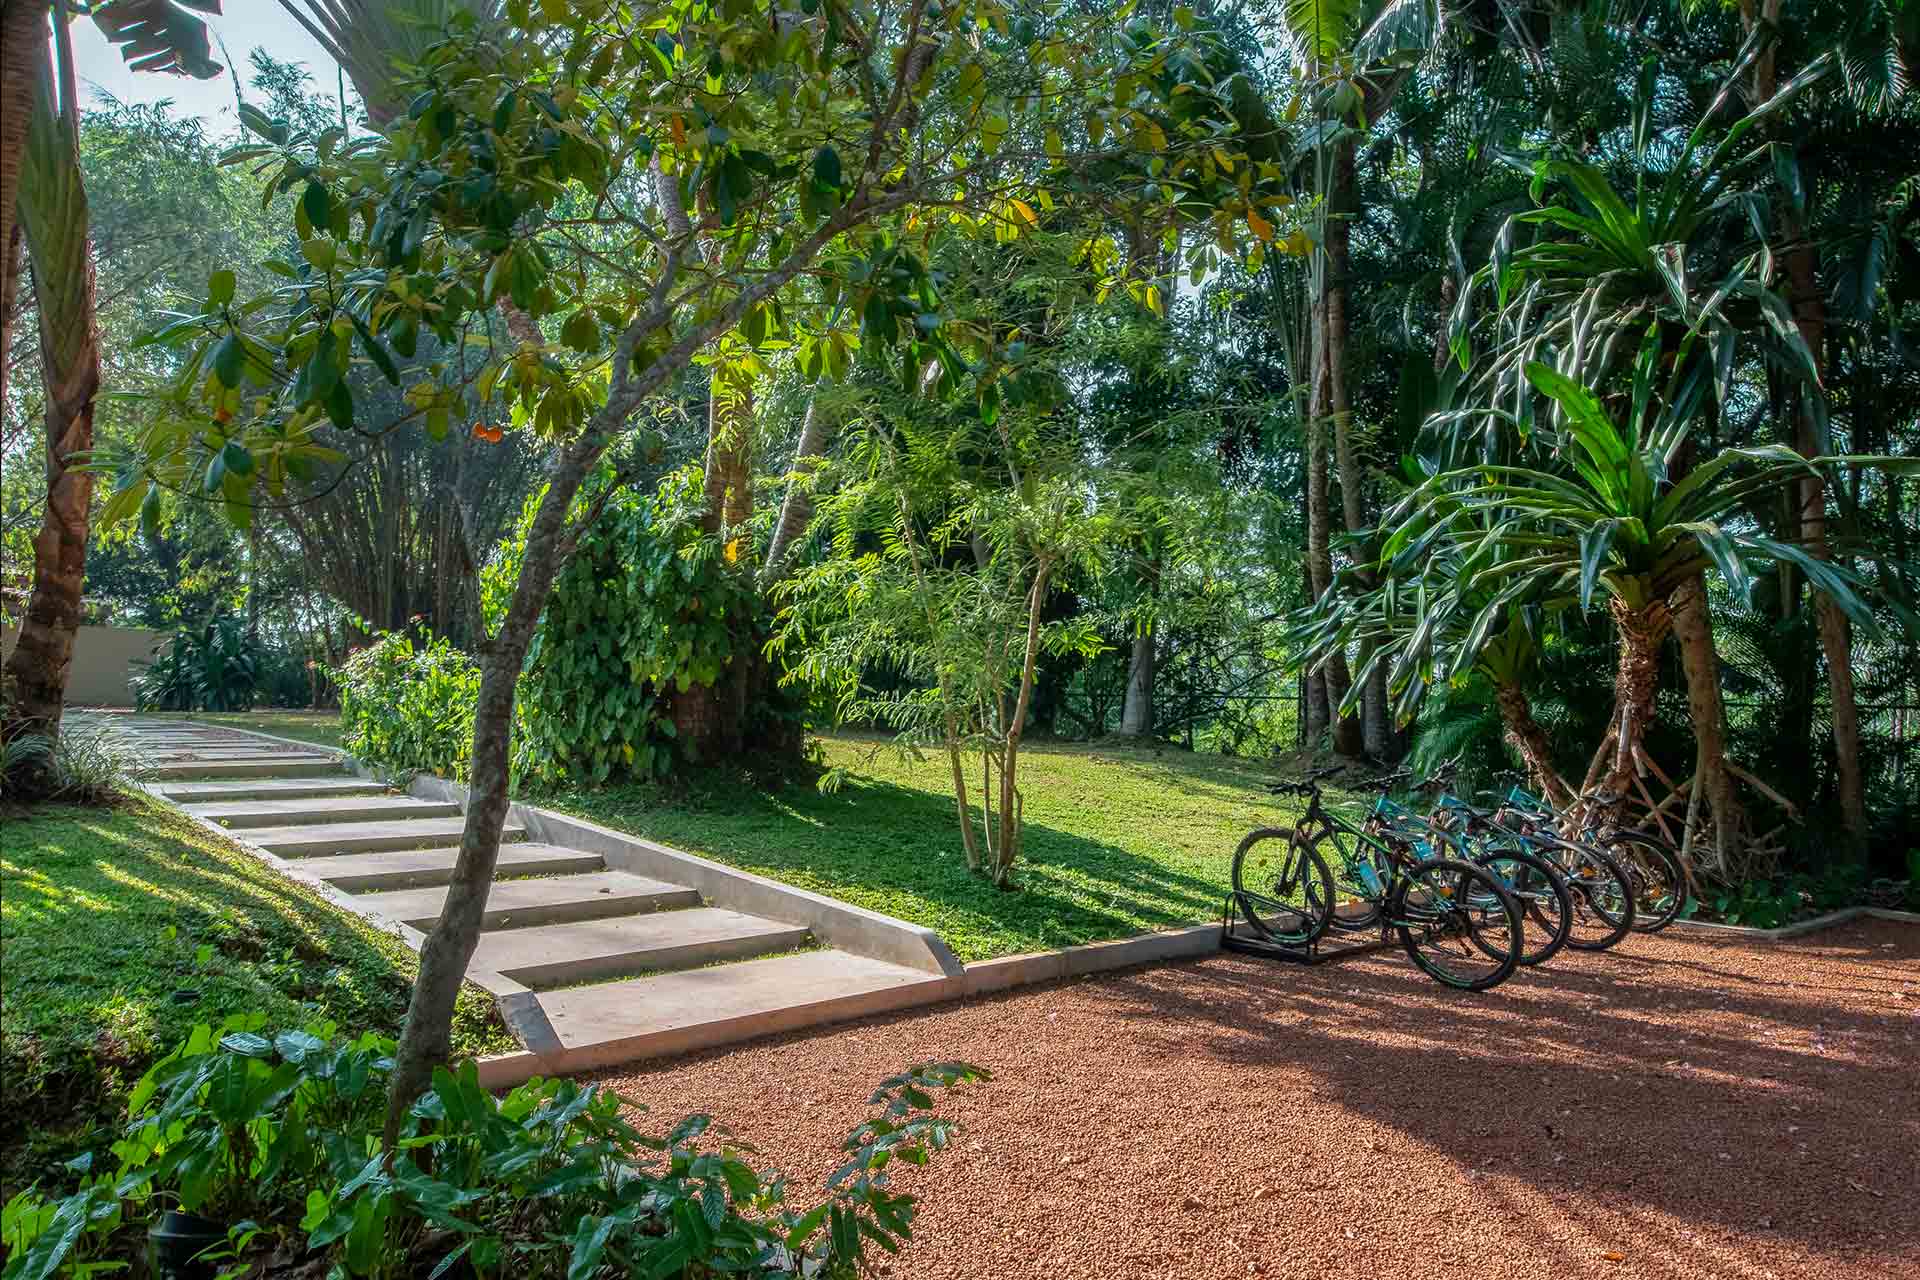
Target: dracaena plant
1604 517
1578 278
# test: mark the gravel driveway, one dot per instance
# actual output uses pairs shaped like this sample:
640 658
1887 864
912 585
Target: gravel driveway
1686 1106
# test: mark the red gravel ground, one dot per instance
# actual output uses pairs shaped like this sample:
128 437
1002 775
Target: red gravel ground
1686 1106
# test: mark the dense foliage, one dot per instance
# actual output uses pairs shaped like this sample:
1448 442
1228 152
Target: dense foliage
275 1140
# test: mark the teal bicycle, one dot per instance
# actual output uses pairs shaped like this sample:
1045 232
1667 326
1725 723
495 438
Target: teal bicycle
1455 920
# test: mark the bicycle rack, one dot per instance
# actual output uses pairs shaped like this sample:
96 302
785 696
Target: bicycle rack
1236 936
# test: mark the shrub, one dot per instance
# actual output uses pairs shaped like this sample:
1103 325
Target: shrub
212 667
406 706
649 608
280 1138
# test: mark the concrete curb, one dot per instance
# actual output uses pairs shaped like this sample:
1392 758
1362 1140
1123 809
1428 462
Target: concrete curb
838 924
985 977
1801 928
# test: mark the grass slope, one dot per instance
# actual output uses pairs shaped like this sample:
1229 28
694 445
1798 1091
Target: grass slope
1118 840
121 928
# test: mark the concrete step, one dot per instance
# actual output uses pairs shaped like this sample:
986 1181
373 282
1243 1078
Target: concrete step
317 809
279 765
185 793
318 839
551 900
676 1012
596 950
374 872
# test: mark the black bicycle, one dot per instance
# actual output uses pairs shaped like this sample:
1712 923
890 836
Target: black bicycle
1454 920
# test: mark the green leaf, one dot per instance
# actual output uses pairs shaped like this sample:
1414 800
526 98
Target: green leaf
317 204
826 168
220 287
229 359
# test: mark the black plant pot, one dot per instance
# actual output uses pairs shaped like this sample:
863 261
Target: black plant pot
175 1243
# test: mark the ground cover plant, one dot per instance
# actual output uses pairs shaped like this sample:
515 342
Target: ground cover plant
267 1142
124 926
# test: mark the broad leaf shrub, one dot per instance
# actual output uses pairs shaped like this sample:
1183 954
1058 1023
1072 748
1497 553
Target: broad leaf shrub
279 1138
649 608
211 667
406 705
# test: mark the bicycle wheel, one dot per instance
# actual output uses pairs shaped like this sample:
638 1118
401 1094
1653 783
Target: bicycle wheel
1543 895
1458 924
1659 881
1603 904
1282 886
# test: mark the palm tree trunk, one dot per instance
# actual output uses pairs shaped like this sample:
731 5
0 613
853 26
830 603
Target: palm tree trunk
1516 713
729 475
1636 682
1693 629
23 50
52 209
1136 710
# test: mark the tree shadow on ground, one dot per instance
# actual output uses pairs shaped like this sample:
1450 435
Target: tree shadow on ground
1698 1097
897 849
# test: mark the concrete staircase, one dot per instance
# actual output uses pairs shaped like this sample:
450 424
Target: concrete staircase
593 965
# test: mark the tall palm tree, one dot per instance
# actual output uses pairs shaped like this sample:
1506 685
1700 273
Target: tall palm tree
44 199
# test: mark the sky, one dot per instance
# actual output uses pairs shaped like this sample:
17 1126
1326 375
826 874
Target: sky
245 24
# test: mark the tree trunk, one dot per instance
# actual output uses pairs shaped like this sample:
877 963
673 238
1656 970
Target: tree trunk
817 430
729 473
1346 735
1693 629
426 1040
1136 712
1007 848
1376 725
1636 682
1810 316
52 209
1525 733
23 55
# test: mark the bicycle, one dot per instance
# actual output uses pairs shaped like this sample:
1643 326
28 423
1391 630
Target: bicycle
1540 888
1653 867
1455 921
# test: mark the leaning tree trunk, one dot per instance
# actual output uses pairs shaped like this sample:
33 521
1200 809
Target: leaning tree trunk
1525 733
52 208
1693 629
426 1040
817 430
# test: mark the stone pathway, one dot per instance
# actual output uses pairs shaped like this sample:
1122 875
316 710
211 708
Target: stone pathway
591 966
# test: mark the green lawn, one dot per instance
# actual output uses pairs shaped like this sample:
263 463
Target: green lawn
308 726
121 928
1118 840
